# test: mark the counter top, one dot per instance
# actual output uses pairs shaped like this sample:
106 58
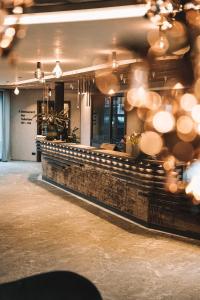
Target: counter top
91 149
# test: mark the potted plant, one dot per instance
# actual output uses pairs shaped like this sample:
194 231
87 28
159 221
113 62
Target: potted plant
54 125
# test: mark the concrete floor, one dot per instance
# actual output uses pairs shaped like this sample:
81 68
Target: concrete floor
43 229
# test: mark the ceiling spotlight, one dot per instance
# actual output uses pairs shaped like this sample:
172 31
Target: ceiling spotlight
57 71
39 74
16 91
114 60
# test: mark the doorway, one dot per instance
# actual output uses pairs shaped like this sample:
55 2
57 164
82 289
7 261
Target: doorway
108 120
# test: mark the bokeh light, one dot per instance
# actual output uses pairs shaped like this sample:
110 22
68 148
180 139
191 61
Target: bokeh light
107 83
136 97
151 143
177 37
160 47
163 121
153 100
169 163
183 151
189 137
196 113
127 106
185 124
188 101
142 113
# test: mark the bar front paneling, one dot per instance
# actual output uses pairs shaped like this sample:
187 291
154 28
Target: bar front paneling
131 188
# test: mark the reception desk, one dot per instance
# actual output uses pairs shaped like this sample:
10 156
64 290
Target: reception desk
132 188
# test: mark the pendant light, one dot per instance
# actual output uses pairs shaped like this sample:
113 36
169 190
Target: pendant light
114 60
57 71
49 92
16 91
39 74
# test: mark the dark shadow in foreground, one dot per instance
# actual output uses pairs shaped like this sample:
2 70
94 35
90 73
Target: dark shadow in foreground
59 285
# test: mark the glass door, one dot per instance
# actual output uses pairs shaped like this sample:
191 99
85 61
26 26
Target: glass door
108 120
117 119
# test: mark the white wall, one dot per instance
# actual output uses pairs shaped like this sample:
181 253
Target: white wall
23 135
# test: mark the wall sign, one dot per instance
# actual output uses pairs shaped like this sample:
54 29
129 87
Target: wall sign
26 116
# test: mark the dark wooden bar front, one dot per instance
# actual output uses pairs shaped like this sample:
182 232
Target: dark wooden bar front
132 188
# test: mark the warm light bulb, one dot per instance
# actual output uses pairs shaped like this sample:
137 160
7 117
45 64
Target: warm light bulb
16 91
49 92
114 60
57 71
160 46
111 92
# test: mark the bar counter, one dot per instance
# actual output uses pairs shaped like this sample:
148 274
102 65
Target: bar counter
132 188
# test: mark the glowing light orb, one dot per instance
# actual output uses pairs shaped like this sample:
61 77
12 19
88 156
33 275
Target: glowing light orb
196 113
153 100
163 121
151 143
169 163
136 97
185 124
188 101
108 84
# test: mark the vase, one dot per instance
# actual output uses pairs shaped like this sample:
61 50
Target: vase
135 151
52 132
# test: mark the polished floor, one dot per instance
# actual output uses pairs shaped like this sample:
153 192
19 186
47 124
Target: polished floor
43 229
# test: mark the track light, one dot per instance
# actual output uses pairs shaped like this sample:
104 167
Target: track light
39 74
16 91
57 71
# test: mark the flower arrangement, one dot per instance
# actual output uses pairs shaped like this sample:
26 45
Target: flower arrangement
134 138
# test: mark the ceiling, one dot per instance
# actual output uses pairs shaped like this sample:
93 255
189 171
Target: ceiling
60 5
76 45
